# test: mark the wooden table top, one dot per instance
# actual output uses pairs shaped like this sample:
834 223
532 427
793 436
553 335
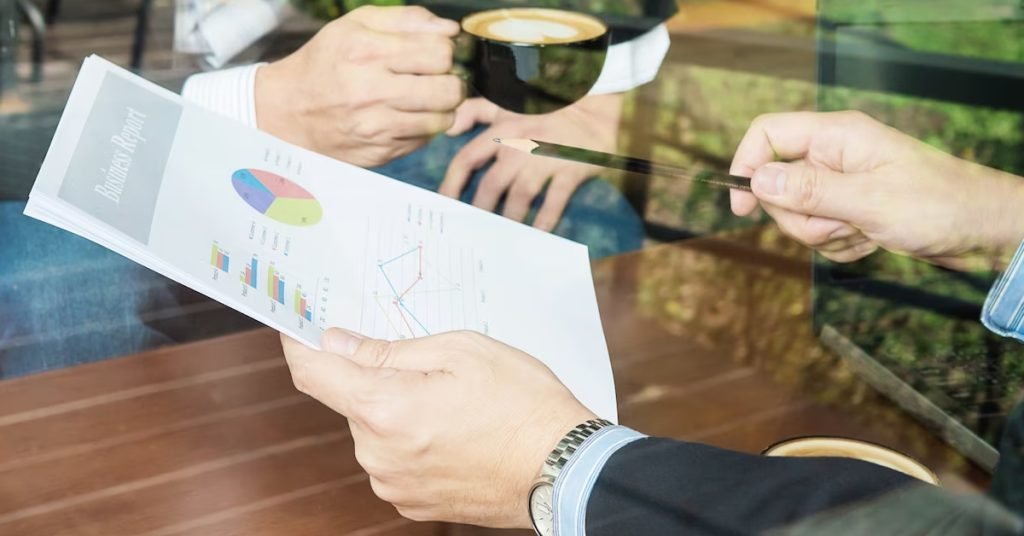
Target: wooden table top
711 341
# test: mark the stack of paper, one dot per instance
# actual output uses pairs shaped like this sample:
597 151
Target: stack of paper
302 242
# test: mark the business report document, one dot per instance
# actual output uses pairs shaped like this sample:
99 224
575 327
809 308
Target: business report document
302 242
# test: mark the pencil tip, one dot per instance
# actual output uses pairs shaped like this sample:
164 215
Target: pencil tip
525 145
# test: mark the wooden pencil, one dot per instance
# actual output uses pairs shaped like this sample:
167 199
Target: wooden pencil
625 163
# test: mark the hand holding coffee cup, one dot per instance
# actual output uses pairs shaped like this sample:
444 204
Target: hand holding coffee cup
534 60
369 87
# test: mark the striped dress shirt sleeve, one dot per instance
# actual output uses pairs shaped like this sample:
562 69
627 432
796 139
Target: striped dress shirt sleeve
1004 307
230 92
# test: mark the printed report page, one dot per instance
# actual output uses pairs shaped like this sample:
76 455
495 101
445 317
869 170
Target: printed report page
302 242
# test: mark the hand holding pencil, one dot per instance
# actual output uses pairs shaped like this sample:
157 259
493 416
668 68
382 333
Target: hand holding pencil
846 185
853 185
624 163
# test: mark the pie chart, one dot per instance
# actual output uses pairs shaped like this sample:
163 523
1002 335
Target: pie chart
277 197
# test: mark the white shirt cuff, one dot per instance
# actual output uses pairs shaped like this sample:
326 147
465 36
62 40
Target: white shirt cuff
576 481
634 63
231 92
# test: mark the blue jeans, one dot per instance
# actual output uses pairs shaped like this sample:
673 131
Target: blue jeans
598 215
65 300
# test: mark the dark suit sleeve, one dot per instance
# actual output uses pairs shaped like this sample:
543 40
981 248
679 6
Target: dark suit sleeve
1008 480
660 486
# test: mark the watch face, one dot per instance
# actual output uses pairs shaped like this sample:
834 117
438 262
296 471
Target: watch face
540 509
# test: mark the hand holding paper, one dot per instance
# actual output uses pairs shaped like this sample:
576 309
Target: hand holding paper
430 416
302 242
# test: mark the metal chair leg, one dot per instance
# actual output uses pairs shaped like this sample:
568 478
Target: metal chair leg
38 25
141 29
52 11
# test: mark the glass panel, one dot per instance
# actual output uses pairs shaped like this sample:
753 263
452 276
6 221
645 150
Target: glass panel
939 73
722 329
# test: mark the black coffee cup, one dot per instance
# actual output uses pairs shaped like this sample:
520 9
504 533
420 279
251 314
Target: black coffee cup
532 60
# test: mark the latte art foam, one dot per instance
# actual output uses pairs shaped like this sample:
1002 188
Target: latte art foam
531 30
533 26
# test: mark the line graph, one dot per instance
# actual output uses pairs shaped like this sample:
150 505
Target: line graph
399 298
417 283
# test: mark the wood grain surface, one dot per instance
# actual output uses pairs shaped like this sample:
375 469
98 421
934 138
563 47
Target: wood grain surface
710 340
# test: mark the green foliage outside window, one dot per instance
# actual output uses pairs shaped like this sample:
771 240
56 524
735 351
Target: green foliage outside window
702 113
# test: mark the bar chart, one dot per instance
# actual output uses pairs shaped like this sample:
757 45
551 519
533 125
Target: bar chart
249 274
275 284
292 289
219 258
303 307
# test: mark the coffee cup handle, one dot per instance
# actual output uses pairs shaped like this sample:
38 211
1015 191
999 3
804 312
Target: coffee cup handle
462 55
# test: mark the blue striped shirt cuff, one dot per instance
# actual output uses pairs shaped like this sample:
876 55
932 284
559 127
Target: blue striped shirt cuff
1004 306
576 481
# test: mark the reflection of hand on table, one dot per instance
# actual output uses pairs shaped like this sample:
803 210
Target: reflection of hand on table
369 87
450 427
592 123
855 185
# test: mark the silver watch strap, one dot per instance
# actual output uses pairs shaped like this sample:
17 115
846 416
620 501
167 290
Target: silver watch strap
570 443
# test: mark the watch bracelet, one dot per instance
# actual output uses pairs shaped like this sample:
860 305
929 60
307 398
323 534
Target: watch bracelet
567 446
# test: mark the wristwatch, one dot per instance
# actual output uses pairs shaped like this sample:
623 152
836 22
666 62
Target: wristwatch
541 507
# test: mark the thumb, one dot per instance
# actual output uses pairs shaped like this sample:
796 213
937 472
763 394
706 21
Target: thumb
810 190
335 381
341 342
373 353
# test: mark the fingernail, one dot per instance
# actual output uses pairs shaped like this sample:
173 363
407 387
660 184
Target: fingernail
543 226
769 180
340 341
